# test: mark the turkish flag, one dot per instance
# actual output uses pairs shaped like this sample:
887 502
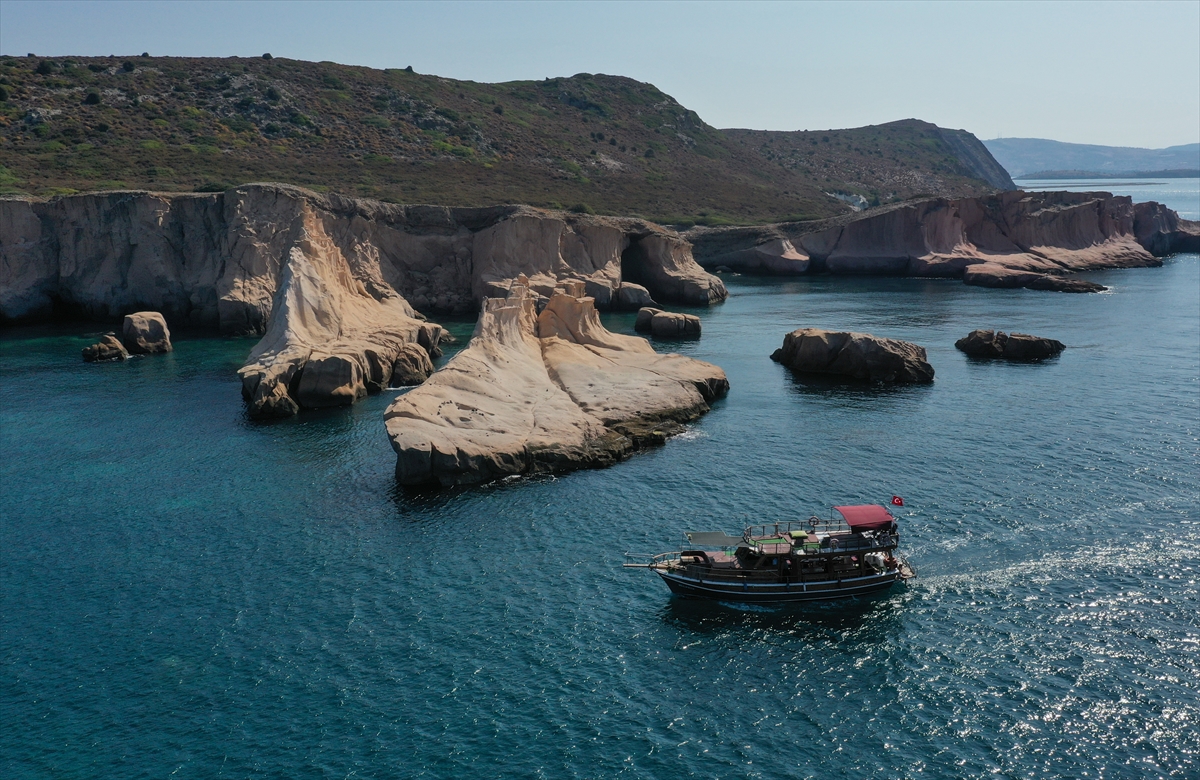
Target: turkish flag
897 501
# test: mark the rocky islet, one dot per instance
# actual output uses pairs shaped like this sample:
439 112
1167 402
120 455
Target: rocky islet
1008 346
858 356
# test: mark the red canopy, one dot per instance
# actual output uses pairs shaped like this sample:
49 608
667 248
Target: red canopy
866 516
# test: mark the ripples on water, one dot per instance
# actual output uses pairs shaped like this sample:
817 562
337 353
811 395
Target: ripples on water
188 593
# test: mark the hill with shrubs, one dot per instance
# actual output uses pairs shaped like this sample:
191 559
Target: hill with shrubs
593 143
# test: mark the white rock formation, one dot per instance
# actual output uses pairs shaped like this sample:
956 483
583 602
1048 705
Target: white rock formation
327 279
547 392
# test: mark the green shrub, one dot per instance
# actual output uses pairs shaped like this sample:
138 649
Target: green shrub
52 146
377 122
94 68
499 109
3 94
268 56
273 94
213 186
128 66
582 208
92 99
152 144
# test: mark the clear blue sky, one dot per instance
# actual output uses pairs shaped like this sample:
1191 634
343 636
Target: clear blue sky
1123 74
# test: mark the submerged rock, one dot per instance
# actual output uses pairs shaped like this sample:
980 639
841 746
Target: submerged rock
108 348
857 355
994 275
1015 346
544 392
146 332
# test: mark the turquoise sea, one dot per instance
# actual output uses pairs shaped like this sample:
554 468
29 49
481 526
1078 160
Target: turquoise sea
185 593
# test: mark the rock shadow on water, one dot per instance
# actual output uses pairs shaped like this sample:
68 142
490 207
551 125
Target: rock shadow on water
422 501
859 392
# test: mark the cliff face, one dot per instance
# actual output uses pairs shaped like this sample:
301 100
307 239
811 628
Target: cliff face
1040 233
215 260
326 279
976 158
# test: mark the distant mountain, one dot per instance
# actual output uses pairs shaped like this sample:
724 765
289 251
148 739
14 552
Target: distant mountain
1023 157
1174 173
588 142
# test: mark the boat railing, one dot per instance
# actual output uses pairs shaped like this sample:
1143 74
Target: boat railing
832 535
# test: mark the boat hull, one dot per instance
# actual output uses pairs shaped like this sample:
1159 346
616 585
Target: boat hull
777 593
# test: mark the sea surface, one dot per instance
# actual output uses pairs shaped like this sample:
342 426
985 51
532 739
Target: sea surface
185 593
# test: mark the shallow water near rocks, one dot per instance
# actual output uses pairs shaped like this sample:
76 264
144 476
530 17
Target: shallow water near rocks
188 593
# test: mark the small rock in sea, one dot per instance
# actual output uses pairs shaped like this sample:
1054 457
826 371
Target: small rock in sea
674 325
108 348
667 324
1015 346
857 355
644 316
145 332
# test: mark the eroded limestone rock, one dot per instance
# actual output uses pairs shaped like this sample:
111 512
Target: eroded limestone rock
1015 346
108 348
645 316
857 355
633 296
412 366
330 339
996 275
326 279
675 325
1042 234
146 332
543 392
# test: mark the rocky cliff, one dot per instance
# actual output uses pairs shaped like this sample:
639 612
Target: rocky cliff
331 282
1045 233
543 392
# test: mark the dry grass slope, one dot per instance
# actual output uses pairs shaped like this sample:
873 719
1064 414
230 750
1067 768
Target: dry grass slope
593 143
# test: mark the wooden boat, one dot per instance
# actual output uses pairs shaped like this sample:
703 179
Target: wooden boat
851 554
